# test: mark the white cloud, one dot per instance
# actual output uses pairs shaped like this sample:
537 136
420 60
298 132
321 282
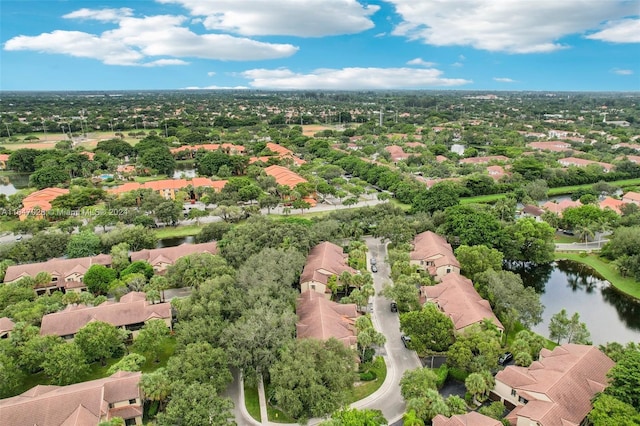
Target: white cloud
164 63
457 64
507 26
621 71
309 18
103 15
623 31
504 79
421 62
138 38
211 73
215 88
350 79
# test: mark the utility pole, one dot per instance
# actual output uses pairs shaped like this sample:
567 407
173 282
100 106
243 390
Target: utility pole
8 131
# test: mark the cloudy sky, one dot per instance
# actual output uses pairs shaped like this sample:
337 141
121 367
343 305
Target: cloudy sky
320 44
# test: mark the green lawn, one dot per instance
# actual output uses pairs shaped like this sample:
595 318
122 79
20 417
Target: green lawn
143 179
252 402
178 231
570 189
491 198
565 239
367 388
626 285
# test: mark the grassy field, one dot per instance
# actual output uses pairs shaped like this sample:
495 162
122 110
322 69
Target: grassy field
367 388
252 402
491 198
178 231
49 141
626 285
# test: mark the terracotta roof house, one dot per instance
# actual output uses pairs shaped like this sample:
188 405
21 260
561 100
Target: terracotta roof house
6 327
82 404
560 207
284 153
130 313
415 145
322 319
36 204
496 172
227 148
66 274
530 210
434 254
441 158
634 158
459 300
631 198
4 158
168 188
557 389
286 177
555 146
160 259
324 260
626 145
612 203
470 419
483 160
397 153
581 162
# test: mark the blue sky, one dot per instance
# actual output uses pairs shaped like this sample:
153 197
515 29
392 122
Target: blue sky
577 45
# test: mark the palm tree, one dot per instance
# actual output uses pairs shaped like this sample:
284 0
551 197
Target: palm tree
410 418
156 386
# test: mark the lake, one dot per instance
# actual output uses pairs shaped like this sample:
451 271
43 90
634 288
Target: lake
12 182
172 242
608 314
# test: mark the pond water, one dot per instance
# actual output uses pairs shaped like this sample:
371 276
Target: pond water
609 315
12 182
172 242
184 173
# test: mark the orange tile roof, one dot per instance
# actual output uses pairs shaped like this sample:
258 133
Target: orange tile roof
326 257
233 149
130 310
429 245
481 160
58 268
470 419
320 318
175 184
560 207
4 157
556 146
631 197
581 162
397 153
457 298
568 377
612 203
284 176
279 149
79 404
172 254
6 325
43 198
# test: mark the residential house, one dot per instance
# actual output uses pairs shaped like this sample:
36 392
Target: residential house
459 300
66 274
322 319
191 150
284 153
530 210
496 172
559 207
484 160
324 261
160 259
6 327
168 188
4 160
555 146
434 254
286 177
581 162
36 204
612 203
86 403
441 158
130 313
397 153
626 145
470 419
634 158
631 198
557 389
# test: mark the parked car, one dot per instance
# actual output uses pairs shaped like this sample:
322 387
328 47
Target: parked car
374 268
406 341
505 358
373 261
393 306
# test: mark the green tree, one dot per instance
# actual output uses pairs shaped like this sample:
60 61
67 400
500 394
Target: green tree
625 378
98 277
33 352
428 328
130 362
159 159
156 386
120 256
200 362
472 225
65 364
476 349
415 382
439 197
479 385
194 269
405 294
138 267
151 338
23 160
84 244
312 378
610 411
168 211
494 410
197 404
47 177
410 418
353 416
429 406
100 340
367 335
529 241
12 377
197 214
562 327
559 326
476 259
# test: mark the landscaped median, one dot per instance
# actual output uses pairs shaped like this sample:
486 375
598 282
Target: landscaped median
360 391
626 285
